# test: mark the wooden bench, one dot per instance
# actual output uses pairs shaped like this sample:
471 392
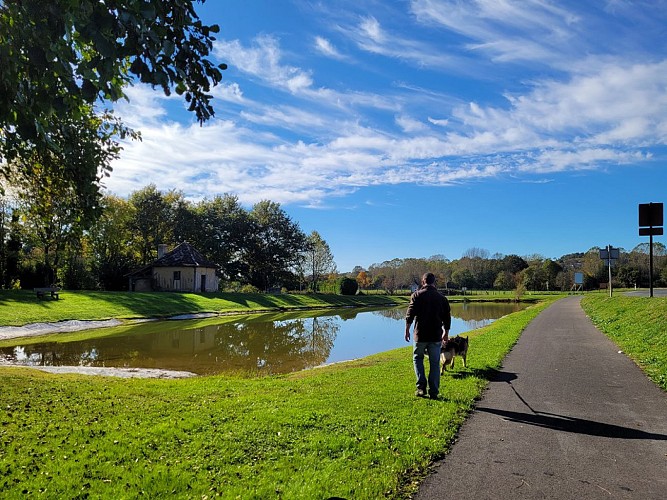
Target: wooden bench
51 290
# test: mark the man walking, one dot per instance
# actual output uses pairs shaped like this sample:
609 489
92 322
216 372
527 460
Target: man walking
431 313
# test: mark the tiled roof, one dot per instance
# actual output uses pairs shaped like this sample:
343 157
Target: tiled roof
184 255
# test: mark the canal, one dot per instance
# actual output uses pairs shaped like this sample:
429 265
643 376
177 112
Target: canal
247 345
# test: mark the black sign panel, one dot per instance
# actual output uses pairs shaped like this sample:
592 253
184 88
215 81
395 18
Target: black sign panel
650 214
650 231
610 253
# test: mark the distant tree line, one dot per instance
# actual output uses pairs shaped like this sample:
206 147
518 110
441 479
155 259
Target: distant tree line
45 237
44 240
478 270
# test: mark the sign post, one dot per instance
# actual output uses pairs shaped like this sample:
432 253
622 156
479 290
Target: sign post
650 224
610 254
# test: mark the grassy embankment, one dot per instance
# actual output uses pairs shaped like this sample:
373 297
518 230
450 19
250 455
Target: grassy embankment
638 326
353 430
21 307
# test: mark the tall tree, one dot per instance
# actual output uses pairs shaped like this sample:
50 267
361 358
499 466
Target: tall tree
223 230
57 206
152 221
109 241
274 247
50 213
364 280
318 259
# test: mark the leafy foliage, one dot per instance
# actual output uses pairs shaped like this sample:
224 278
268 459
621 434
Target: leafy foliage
318 259
477 271
348 286
274 245
62 58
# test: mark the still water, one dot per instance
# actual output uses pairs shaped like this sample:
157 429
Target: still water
268 343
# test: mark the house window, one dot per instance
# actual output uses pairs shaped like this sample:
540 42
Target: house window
177 275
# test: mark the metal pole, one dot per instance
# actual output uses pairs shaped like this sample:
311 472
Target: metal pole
650 263
609 265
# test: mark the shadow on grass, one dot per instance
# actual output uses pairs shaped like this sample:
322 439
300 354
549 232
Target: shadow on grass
165 304
9 297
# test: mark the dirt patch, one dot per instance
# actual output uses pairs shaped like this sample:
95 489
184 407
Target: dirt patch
35 329
116 372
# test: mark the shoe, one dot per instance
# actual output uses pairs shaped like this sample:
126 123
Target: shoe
421 393
433 396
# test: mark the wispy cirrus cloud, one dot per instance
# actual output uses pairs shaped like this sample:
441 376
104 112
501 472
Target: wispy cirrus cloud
264 61
326 48
508 31
370 36
580 124
315 142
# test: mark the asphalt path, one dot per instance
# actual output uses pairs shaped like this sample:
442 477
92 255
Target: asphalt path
568 417
657 292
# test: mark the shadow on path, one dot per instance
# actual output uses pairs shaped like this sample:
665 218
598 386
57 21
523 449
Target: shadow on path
574 425
561 422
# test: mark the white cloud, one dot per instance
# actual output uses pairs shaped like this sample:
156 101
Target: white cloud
228 92
325 47
316 142
591 120
532 31
439 122
370 36
144 105
263 61
409 124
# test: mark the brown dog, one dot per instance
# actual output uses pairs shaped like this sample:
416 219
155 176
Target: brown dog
457 346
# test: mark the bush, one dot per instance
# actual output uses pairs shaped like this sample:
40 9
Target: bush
348 286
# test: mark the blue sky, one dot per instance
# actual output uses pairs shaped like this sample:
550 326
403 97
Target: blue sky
424 127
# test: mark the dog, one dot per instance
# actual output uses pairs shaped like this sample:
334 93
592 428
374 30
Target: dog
456 346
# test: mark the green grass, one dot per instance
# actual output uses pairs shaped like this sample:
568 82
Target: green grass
353 430
638 325
20 307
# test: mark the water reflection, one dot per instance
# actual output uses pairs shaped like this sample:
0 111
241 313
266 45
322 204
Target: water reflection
265 344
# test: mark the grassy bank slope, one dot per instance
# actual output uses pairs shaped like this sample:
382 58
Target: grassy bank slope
353 430
21 307
638 325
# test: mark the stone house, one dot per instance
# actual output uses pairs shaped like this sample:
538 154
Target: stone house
184 269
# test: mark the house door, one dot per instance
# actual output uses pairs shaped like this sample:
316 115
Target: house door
203 282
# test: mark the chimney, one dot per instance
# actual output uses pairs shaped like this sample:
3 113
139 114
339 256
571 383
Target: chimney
161 250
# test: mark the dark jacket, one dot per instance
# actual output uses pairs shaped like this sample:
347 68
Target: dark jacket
430 311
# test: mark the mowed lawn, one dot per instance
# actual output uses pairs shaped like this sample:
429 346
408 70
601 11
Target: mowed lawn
353 430
21 307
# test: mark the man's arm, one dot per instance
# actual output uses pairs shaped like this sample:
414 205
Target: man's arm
409 317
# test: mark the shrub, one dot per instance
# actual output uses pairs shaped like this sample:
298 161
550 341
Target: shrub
348 286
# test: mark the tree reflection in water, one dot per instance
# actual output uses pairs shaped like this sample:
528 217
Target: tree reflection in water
247 346
266 344
474 314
